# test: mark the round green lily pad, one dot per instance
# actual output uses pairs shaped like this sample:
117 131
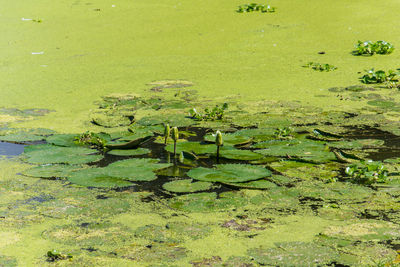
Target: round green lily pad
229 173
187 186
230 139
306 150
62 139
196 147
129 152
239 154
97 177
51 171
21 137
135 169
116 174
66 155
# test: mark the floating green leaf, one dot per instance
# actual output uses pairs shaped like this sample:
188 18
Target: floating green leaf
306 150
97 177
21 137
229 173
196 147
51 171
67 155
129 152
187 186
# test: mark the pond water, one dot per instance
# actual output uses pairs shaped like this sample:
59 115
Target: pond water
11 149
308 174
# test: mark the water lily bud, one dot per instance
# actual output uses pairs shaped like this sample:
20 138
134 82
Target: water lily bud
218 139
175 133
167 130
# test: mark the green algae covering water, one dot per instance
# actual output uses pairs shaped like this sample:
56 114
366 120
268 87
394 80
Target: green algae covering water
88 177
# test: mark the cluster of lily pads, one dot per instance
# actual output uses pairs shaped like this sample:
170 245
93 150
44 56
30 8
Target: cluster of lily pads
370 48
255 7
320 67
380 76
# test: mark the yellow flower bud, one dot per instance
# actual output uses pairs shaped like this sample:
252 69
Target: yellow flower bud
218 139
175 134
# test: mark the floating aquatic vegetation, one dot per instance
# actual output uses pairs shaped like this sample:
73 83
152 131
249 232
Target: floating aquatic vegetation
158 86
66 155
320 67
259 184
111 120
307 150
95 234
207 202
239 154
193 147
370 48
8 261
294 253
173 232
187 186
21 137
231 139
178 120
55 255
379 76
96 177
129 152
367 172
93 140
118 174
229 173
51 171
155 252
216 113
255 7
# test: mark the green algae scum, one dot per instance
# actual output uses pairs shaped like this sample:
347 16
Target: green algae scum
213 133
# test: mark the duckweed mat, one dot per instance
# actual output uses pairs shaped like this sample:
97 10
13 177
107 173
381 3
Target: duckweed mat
291 186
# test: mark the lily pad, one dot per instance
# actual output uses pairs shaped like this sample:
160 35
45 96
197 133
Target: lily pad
62 140
129 152
135 169
111 120
116 174
97 177
178 120
51 171
187 186
195 147
239 154
230 139
306 150
66 155
229 173
21 137
130 141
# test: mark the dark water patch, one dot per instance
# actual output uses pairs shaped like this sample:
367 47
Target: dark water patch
11 149
390 148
